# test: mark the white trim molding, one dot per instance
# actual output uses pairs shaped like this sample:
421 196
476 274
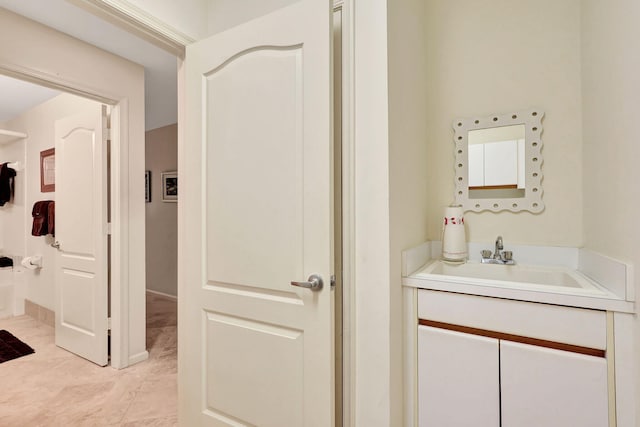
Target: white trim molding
137 21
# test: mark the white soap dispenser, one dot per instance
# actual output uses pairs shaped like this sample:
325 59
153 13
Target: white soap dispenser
454 238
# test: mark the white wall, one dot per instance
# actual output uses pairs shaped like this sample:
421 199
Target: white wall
611 84
39 124
498 56
162 217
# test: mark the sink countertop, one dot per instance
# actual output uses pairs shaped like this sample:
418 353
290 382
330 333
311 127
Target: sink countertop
418 267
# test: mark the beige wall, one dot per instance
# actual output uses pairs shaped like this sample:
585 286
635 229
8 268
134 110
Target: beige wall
494 57
186 16
39 124
374 374
197 19
611 84
409 191
224 14
162 217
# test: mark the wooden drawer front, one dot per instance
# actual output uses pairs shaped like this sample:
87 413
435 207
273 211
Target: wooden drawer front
575 326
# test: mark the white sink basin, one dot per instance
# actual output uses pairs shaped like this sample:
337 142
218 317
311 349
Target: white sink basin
542 278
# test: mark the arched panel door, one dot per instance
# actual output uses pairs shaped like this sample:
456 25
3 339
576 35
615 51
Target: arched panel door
81 234
256 215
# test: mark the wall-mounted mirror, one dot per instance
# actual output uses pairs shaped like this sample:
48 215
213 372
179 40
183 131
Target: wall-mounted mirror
498 162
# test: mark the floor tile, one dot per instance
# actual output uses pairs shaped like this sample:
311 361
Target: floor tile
157 398
56 388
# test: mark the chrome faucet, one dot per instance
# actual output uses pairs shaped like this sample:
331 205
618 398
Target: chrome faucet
499 247
500 256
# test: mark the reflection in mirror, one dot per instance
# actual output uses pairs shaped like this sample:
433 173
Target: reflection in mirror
498 162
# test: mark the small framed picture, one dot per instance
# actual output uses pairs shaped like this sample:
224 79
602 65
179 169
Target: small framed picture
147 186
170 186
48 170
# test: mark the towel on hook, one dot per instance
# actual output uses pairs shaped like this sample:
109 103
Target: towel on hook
51 218
40 213
6 183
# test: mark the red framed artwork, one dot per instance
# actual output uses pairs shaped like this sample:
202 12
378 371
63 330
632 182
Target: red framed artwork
48 170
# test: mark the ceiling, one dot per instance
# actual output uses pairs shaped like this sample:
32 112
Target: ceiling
18 96
160 67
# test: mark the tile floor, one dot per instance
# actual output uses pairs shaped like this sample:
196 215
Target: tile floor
56 388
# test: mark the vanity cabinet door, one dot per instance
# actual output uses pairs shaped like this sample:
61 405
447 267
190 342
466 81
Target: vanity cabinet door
458 379
552 388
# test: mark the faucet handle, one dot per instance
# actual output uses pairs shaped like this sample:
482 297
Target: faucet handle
486 253
507 255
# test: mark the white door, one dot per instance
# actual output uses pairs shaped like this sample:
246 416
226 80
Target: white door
81 232
255 215
552 388
458 379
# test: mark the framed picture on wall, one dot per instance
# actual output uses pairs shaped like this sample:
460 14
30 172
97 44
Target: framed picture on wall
48 170
170 186
147 186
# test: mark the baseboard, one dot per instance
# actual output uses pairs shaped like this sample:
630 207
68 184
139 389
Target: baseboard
137 358
162 294
40 313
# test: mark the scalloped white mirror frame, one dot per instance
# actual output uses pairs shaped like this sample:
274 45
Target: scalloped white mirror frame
532 200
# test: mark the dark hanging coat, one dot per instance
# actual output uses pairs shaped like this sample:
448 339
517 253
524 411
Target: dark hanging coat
6 183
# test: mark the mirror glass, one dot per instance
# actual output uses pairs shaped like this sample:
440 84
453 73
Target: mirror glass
498 162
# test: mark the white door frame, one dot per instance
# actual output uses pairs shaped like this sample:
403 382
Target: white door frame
123 89
345 7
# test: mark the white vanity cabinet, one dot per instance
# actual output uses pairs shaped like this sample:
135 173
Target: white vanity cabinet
547 387
458 379
495 362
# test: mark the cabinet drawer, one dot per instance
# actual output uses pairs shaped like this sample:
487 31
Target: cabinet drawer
570 325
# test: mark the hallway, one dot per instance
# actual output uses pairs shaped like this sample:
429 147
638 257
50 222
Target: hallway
56 388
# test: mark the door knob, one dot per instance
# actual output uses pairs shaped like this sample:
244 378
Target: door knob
56 245
314 282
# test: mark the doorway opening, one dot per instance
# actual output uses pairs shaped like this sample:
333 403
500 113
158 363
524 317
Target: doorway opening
68 101
70 280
